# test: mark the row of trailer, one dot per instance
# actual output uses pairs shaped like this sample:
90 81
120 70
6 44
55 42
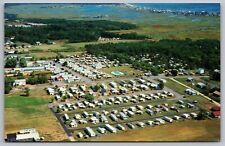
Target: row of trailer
124 113
119 127
117 100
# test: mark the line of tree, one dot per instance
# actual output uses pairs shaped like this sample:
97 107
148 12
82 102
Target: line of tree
8 84
10 62
22 62
200 53
37 79
71 30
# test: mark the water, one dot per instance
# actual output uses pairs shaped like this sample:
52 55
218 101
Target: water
104 11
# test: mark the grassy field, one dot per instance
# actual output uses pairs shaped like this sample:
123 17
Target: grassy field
202 102
43 54
174 86
127 70
64 48
31 112
215 83
193 84
190 130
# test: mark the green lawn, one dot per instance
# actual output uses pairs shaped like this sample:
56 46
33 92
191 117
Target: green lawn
43 54
17 101
215 83
127 70
31 112
174 86
202 102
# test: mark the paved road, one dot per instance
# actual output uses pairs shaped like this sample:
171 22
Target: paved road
68 132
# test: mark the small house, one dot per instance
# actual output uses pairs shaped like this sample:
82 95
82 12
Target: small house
201 85
110 128
20 82
89 131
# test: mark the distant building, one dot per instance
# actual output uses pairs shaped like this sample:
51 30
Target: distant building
24 135
20 82
200 71
201 85
190 79
215 111
216 93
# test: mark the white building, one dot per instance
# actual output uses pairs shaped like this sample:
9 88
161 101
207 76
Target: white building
20 82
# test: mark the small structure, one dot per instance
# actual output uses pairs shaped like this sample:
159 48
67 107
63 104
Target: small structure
120 127
216 93
215 111
89 132
24 135
20 82
80 135
200 71
190 92
113 84
66 117
123 116
51 91
168 119
101 130
201 85
190 79
110 128
113 117
73 123
140 124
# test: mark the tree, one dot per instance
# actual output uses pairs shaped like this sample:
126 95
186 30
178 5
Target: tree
89 97
8 84
65 63
202 115
37 79
20 75
27 91
23 62
96 88
10 62
174 72
57 58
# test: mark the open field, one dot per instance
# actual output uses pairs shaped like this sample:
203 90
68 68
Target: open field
64 48
48 47
216 83
193 84
158 26
127 70
174 86
202 102
36 91
25 112
190 130
43 55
